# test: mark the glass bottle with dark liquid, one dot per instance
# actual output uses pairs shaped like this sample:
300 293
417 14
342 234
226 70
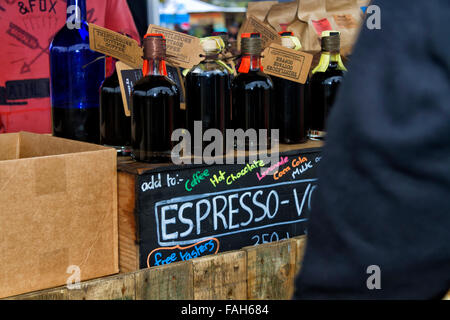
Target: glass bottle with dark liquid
155 110
115 125
208 90
75 78
324 84
252 90
290 99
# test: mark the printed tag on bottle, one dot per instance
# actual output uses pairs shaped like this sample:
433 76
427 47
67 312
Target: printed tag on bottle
321 25
128 76
115 45
183 50
286 63
268 35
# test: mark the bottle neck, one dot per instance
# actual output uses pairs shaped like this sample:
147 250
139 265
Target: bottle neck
334 56
155 67
250 62
212 59
211 56
329 59
255 62
76 9
110 64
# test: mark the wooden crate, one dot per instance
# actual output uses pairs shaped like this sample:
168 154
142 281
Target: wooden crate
271 270
249 273
128 171
266 271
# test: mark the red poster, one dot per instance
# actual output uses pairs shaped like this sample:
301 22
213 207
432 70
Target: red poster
321 25
26 30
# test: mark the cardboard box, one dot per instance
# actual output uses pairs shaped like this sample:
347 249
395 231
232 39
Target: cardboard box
58 208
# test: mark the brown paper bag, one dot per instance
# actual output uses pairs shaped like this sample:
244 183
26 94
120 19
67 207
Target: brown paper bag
280 14
259 9
315 16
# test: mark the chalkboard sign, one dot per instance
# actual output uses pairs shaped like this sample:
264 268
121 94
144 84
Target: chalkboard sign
192 211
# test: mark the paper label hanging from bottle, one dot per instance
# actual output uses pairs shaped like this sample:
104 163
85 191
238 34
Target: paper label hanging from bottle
115 45
268 35
128 76
286 63
183 50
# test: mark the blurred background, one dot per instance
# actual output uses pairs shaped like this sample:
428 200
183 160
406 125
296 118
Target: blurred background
195 17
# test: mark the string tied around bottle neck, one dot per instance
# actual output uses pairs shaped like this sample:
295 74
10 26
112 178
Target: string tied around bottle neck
154 45
251 46
331 42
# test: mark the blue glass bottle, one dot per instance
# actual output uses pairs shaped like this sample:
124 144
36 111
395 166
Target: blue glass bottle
75 78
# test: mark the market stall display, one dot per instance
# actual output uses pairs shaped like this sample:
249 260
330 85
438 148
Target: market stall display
173 213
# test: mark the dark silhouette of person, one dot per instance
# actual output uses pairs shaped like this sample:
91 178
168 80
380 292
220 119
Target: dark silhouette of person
380 221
